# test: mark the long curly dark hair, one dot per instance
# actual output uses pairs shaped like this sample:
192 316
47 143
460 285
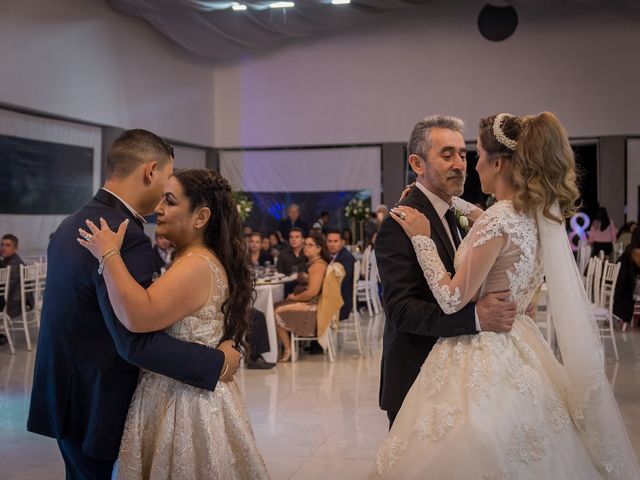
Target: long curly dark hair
223 235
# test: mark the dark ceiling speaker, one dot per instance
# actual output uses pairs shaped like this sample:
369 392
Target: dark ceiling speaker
497 23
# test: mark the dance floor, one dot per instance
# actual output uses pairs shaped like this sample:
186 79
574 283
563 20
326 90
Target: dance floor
312 419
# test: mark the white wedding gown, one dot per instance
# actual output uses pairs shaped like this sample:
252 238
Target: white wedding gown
492 406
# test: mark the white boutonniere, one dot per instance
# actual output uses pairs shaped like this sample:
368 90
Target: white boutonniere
462 220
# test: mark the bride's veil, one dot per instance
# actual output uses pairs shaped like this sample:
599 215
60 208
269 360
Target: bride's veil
589 395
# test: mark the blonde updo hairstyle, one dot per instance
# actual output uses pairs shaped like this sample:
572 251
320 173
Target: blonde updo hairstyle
543 169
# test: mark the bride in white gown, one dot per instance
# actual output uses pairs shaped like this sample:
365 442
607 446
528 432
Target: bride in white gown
500 406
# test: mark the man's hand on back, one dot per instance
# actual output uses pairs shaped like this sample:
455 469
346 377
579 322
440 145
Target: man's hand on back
495 313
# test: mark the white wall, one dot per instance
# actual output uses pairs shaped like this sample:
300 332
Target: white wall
80 59
373 86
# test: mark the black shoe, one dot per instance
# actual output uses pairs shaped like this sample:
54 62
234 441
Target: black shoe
3 339
260 364
315 349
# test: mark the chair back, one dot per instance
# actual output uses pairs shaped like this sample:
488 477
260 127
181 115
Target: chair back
597 282
4 284
41 279
28 283
609 279
330 301
356 277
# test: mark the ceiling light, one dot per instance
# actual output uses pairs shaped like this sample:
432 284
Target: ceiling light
238 7
282 4
340 2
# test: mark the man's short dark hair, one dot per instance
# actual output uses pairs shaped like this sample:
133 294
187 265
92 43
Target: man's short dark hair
296 229
133 148
324 213
335 231
12 238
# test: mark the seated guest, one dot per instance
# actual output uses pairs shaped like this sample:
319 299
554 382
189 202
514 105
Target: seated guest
258 340
9 258
629 276
347 236
292 259
322 223
293 220
625 232
337 253
298 312
162 254
602 233
265 245
257 256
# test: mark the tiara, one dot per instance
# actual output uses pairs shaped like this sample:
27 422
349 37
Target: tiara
499 134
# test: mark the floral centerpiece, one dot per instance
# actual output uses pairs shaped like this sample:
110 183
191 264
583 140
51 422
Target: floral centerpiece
243 204
357 210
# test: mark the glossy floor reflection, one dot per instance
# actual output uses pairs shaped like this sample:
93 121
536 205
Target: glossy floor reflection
313 419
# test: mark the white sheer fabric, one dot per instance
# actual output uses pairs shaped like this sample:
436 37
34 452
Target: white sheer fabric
500 406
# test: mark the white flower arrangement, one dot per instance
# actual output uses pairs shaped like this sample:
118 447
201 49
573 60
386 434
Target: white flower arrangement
357 210
243 204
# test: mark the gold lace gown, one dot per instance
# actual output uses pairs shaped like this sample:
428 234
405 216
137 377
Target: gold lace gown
491 406
176 431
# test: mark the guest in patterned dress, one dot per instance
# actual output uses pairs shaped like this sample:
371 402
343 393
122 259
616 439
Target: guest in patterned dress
174 430
298 312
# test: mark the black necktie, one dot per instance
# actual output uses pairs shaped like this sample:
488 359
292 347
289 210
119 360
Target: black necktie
450 217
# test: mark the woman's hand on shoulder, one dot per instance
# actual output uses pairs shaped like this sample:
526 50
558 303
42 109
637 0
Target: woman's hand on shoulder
100 240
412 221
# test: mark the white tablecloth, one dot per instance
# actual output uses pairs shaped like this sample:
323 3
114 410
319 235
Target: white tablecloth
266 297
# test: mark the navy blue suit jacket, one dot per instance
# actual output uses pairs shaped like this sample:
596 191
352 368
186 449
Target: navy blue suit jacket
346 289
414 320
87 363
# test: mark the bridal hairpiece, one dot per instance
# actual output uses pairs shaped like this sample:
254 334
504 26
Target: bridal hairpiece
499 134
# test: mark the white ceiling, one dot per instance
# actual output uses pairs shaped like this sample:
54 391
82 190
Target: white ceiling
211 29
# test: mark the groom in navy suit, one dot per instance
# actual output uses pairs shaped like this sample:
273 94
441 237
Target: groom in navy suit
87 363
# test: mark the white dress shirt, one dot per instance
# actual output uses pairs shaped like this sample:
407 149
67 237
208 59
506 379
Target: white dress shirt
129 207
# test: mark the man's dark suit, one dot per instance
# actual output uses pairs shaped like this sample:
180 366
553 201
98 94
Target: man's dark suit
87 363
414 321
346 289
286 225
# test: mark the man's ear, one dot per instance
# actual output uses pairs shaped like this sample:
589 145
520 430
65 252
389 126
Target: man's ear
149 171
417 164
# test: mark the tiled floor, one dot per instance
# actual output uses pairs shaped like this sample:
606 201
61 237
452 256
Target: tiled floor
313 419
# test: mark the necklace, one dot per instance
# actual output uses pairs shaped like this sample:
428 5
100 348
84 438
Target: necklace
181 253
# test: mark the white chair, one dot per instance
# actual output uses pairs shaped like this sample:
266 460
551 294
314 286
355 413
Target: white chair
28 285
367 288
352 325
594 292
40 284
4 293
603 308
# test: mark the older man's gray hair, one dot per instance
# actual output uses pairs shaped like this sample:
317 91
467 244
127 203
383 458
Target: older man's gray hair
420 140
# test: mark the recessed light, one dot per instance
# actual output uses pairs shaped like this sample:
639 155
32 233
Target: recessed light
340 2
238 7
282 5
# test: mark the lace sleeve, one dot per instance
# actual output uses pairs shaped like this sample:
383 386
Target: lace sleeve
452 294
467 209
